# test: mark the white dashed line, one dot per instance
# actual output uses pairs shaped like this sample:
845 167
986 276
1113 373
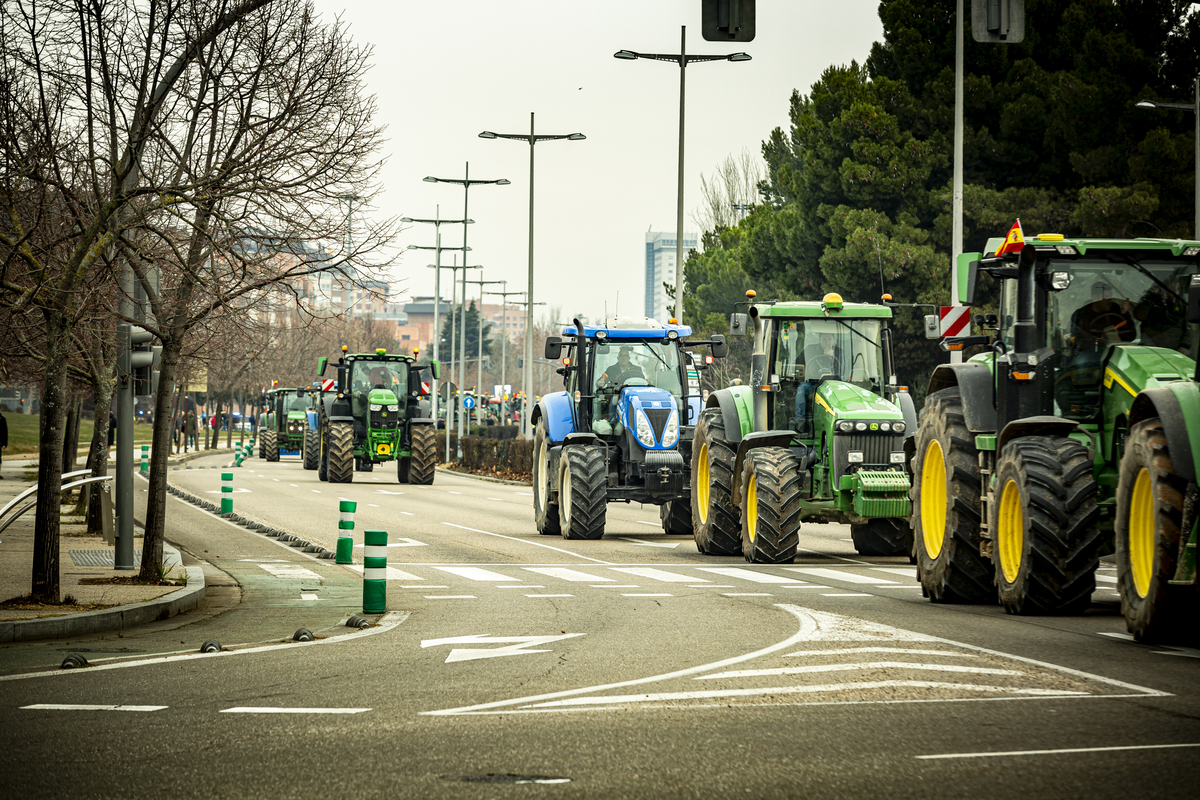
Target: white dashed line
549 595
845 594
648 594
450 597
746 594
79 707
269 710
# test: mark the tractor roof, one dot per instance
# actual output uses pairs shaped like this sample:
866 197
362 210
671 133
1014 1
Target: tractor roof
378 355
816 308
1176 247
630 328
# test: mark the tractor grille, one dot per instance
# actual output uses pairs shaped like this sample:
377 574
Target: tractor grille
876 449
658 419
385 419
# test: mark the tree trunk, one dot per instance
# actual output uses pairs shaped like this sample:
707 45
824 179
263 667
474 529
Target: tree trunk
216 425
97 460
45 578
74 403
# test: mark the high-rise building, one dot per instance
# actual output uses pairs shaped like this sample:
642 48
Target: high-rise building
660 269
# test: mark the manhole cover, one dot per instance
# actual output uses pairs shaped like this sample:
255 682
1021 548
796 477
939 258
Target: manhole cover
504 777
98 558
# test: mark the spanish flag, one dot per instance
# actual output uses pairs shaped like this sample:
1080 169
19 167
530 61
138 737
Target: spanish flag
1013 242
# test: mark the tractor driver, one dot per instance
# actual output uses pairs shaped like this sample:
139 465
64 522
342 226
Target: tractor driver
1104 320
816 361
620 371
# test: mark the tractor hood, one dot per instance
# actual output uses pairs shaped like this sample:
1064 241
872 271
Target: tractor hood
651 415
848 401
1135 367
382 397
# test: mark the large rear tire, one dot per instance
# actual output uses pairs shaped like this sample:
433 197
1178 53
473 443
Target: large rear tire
676 517
545 512
583 491
341 452
1150 500
423 463
312 449
945 497
1044 526
770 506
882 537
323 464
271 445
716 523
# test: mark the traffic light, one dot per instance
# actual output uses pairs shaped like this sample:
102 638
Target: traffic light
143 357
727 20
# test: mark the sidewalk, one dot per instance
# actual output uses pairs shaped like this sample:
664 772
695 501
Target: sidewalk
85 567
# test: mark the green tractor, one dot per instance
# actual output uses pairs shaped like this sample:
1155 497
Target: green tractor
311 444
284 422
818 435
378 412
1075 436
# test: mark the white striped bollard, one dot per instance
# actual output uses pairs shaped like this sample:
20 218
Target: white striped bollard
226 492
374 572
345 542
145 459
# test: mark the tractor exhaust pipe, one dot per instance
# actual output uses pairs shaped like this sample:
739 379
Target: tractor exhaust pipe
758 372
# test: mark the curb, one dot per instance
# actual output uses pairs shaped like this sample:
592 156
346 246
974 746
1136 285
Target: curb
448 471
109 619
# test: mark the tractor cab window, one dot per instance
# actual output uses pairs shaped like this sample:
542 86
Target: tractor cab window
810 351
295 403
368 375
620 363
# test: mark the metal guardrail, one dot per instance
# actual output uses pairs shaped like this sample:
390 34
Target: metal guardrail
33 490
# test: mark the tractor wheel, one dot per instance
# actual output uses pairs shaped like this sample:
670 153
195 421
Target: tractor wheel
882 537
312 449
323 449
262 444
422 464
271 445
545 512
583 491
341 452
364 465
676 516
1044 526
715 523
770 506
945 497
403 468
1150 500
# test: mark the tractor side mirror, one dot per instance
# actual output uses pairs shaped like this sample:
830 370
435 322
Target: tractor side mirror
933 326
968 263
299 393
719 348
436 368
322 363
553 348
738 324
1193 314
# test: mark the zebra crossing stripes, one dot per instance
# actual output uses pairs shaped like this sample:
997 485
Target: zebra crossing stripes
827 574
658 575
562 573
478 574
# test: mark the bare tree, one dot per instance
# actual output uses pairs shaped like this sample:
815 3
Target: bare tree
733 187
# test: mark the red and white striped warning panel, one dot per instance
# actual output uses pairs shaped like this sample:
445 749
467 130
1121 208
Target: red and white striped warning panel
424 387
327 384
954 320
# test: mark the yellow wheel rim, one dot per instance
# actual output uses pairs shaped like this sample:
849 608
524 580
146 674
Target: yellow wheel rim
701 478
752 508
1141 532
933 499
1011 531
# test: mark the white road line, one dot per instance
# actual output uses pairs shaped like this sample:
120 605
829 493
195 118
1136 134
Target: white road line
845 594
522 586
643 522
393 574
856 650
270 710
315 491
649 594
450 597
82 707
908 572
307 596
293 485
837 575
477 574
809 586
746 594
812 668
526 494
562 573
615 586
657 574
455 492
292 571
549 595
526 541
1060 751
748 575
1126 636
496 498
424 587
1106 578
372 505
405 513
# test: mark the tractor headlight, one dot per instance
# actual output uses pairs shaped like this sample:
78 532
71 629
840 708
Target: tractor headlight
855 457
885 426
671 432
845 427
898 427
376 407
860 426
645 434
394 407
897 457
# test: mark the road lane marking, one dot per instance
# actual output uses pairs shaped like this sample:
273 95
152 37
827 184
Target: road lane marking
424 587
908 572
812 668
1106 578
615 586
845 594
809 586
837 575
746 594
525 541
562 573
522 586
526 494
644 543
392 574
644 522
513 645
401 542
292 571
748 575
501 499
450 597
477 574
307 596
1060 751
548 595
275 710
293 485
315 491
405 513
372 505
85 707
648 594
858 650
658 574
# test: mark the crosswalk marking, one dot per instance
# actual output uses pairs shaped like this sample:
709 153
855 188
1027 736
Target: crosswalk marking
908 572
826 574
567 574
748 575
477 574
291 571
657 574
394 574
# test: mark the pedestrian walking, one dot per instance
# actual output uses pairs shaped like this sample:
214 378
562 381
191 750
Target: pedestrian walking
3 436
191 431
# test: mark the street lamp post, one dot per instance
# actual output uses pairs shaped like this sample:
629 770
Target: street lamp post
682 59
479 354
1194 107
504 293
466 183
532 139
527 377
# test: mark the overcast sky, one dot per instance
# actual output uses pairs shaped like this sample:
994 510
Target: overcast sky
444 70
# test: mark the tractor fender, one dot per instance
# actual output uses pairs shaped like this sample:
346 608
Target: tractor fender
750 441
974 381
737 407
581 438
312 419
555 410
1035 426
909 409
421 421
1173 405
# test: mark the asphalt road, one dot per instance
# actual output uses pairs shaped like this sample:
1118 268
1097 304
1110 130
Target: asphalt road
627 667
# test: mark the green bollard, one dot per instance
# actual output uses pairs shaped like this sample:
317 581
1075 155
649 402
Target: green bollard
345 542
375 572
226 489
145 459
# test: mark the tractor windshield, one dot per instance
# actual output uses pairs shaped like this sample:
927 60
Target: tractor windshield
808 351
637 363
295 403
368 375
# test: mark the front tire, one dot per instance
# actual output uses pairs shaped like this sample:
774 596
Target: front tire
676 517
1044 526
770 506
945 499
312 449
882 537
271 445
423 463
341 452
583 491
545 512
716 523
1150 499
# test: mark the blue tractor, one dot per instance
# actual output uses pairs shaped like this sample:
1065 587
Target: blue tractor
622 429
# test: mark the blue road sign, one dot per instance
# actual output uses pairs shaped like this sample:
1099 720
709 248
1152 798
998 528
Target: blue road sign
468 402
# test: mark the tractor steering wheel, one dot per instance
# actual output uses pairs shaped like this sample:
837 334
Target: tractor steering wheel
1099 325
820 366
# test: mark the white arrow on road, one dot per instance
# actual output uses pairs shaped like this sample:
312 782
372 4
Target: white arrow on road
649 544
515 649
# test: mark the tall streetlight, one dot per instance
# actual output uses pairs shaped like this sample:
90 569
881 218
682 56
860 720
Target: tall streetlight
1195 109
682 59
527 366
479 355
532 139
504 295
466 183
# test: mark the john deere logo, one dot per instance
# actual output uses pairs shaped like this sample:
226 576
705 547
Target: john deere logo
383 449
